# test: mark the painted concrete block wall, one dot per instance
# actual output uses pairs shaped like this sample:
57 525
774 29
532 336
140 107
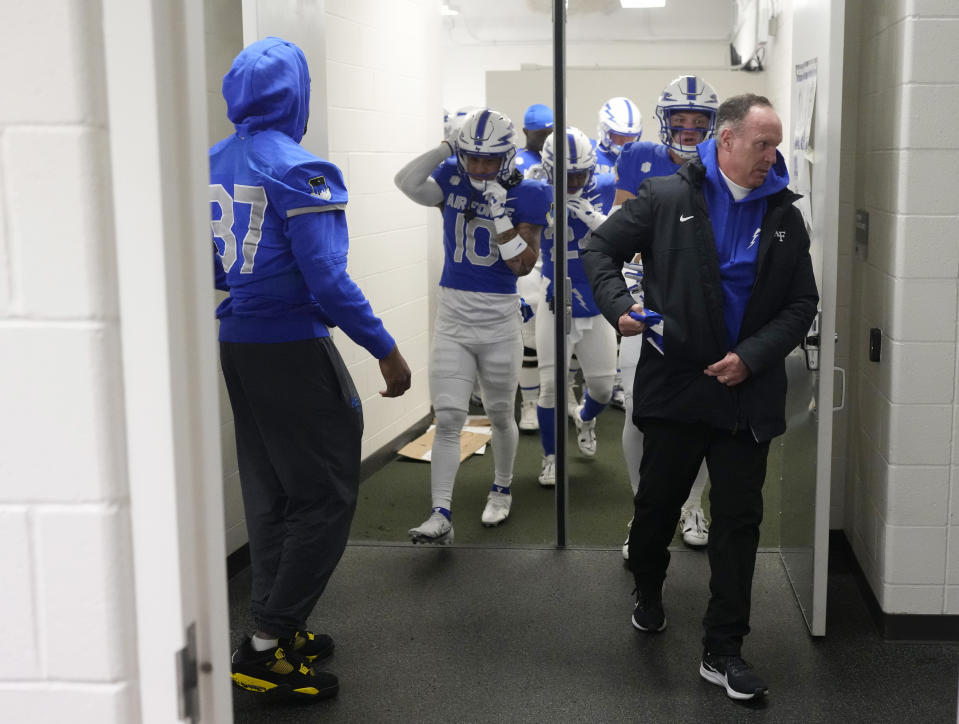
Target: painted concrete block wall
902 502
64 510
383 108
465 66
223 37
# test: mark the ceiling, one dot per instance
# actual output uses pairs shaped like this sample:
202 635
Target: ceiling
530 21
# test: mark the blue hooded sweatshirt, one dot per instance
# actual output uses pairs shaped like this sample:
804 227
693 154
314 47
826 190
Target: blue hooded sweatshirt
277 214
736 226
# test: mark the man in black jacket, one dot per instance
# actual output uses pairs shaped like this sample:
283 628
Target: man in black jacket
727 266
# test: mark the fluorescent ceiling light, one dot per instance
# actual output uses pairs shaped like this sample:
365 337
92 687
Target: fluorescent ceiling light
643 3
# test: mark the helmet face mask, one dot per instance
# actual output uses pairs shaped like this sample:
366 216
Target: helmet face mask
690 95
580 160
487 134
618 116
576 181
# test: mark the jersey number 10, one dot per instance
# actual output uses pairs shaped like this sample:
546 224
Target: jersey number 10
465 240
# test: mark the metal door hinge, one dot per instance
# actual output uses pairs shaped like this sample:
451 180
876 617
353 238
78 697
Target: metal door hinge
188 679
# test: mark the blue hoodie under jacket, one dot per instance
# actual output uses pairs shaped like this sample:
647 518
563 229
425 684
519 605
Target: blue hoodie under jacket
277 214
736 226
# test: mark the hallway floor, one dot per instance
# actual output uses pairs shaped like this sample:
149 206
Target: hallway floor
469 634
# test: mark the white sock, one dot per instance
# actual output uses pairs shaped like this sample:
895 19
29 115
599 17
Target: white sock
263 644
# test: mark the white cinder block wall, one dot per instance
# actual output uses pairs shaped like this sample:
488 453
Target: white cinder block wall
67 609
902 502
465 67
383 108
223 26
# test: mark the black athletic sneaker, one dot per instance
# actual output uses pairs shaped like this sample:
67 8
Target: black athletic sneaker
313 646
648 614
277 673
734 673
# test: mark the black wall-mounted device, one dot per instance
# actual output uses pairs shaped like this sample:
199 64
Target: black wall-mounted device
875 344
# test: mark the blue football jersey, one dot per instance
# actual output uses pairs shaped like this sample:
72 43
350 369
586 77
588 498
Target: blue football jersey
600 193
526 158
605 159
640 160
277 214
472 261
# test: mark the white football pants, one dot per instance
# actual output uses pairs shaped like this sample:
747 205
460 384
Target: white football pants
594 341
453 366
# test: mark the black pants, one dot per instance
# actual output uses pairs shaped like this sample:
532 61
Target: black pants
299 427
672 455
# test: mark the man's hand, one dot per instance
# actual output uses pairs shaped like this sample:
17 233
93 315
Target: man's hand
629 327
581 209
452 140
495 196
729 371
396 373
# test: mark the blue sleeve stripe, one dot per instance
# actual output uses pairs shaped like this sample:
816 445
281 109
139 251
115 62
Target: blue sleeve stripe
290 213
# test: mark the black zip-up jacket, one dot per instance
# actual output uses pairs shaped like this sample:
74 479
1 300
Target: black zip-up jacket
682 283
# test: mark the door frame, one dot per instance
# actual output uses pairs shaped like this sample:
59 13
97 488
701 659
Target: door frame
818 32
156 96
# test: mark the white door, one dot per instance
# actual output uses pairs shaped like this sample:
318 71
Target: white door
817 53
154 51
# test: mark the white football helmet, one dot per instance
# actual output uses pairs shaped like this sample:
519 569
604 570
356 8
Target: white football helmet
618 115
455 120
686 93
580 160
488 134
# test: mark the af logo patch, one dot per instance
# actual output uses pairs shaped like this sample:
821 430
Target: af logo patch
454 180
645 168
319 188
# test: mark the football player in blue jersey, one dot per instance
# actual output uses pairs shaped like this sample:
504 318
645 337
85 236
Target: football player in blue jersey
280 245
537 126
492 221
589 195
620 122
687 116
686 110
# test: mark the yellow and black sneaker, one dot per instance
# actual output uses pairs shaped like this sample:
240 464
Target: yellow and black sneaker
275 672
313 646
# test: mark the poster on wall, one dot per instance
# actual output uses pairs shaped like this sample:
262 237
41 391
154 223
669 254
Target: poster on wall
802 156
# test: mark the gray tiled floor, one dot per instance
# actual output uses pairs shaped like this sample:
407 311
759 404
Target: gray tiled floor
468 634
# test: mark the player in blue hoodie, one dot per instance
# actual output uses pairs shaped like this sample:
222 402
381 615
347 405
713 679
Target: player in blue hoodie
726 263
280 245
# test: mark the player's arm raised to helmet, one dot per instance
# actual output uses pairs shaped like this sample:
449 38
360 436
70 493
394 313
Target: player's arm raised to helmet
523 263
414 178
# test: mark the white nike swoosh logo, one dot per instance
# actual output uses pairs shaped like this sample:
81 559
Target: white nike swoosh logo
684 218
